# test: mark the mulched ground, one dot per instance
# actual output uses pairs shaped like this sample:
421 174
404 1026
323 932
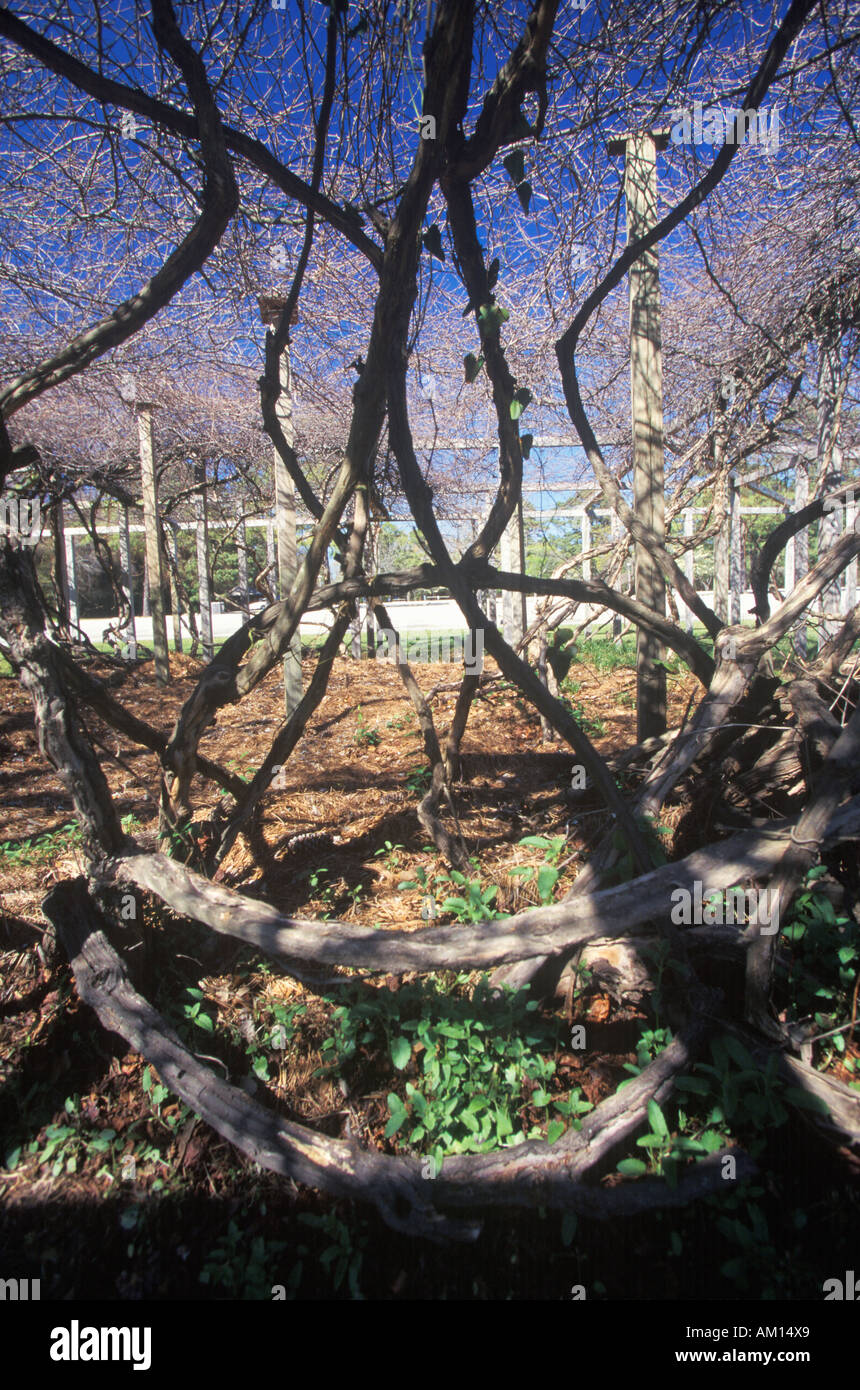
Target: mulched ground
163 1200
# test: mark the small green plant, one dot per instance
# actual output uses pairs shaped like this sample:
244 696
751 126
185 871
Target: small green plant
418 780
263 1041
730 1095
626 867
240 1266
403 722
157 1094
389 851
749 1097
241 765
365 735
355 893
193 1011
473 902
285 1027
154 1090
758 1264
318 888
825 959
660 1145
419 881
545 875
181 843
651 1043
70 1144
593 726
344 1255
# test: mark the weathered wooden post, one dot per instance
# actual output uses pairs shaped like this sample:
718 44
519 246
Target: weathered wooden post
174 555
830 392
61 579
735 551
506 557
125 579
242 566
271 307
514 610
204 581
585 521
521 530
71 571
616 530
151 523
850 596
646 388
722 494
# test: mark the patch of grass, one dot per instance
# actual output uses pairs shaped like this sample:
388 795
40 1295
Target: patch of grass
607 653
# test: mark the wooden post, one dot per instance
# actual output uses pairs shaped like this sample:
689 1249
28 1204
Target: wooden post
850 591
144 598
735 552
507 559
153 549
61 578
521 529
586 544
285 507
646 389
71 578
173 551
828 402
204 582
722 540
615 530
372 561
242 566
125 576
